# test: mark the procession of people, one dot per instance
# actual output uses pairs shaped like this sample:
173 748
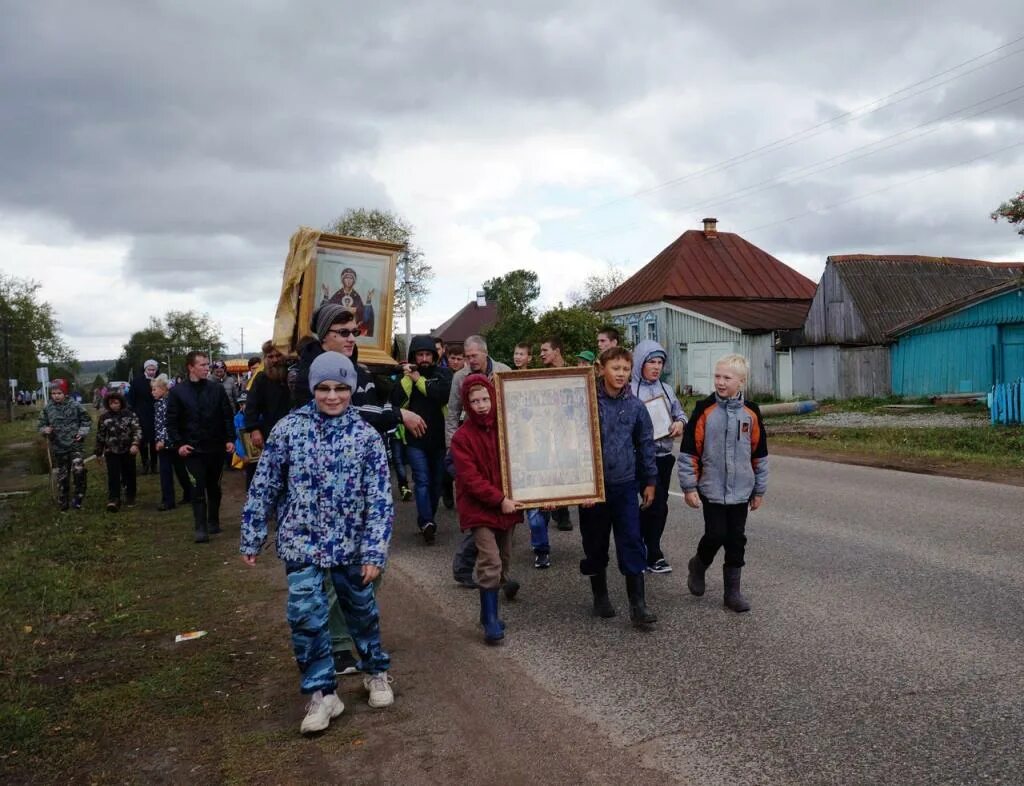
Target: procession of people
320 441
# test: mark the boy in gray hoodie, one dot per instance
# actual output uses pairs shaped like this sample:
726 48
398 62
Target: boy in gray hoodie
652 363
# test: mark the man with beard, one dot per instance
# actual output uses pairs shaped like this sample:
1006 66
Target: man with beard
268 401
424 389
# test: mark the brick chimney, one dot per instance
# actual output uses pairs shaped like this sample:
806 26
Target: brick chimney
710 228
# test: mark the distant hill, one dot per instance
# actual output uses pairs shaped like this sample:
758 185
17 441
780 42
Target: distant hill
90 368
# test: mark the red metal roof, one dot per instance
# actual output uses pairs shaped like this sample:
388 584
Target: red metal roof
469 320
722 266
750 315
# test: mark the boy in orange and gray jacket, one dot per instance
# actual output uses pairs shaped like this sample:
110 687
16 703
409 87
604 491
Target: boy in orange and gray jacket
723 465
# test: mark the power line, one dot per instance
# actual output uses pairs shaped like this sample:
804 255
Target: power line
820 127
890 187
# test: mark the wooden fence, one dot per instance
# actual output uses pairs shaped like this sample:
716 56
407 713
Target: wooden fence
1006 402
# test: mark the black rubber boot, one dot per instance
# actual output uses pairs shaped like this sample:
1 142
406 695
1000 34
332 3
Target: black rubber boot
638 611
602 604
733 597
695 576
511 589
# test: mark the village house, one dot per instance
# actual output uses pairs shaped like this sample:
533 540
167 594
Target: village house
708 294
865 304
472 319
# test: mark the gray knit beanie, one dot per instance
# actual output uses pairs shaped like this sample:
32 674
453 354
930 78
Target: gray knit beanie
329 314
333 367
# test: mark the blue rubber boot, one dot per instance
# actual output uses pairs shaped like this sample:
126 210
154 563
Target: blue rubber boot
493 630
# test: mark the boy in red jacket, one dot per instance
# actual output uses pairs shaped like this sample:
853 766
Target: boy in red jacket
480 502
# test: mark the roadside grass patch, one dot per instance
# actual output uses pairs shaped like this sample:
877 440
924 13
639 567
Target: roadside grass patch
1001 446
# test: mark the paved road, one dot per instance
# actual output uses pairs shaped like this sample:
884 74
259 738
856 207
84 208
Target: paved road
886 644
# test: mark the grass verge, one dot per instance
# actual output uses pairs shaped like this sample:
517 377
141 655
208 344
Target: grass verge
93 688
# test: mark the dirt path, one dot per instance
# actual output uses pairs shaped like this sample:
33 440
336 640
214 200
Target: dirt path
463 712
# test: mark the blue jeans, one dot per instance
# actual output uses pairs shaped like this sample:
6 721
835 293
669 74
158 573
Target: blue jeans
427 467
538 521
620 513
307 617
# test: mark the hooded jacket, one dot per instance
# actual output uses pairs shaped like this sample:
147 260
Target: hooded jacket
474 451
627 438
364 397
69 421
428 397
645 391
326 481
117 432
454 416
724 454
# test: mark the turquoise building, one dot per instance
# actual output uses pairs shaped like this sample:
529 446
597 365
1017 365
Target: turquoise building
962 347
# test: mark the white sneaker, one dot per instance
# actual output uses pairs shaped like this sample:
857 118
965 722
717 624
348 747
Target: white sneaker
379 686
319 712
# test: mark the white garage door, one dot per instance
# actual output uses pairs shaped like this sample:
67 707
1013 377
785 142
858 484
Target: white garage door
702 359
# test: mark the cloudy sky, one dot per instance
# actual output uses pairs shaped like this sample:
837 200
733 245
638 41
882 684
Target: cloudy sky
159 155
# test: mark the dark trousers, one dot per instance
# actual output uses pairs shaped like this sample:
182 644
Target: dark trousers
250 473
120 469
204 471
147 454
652 520
166 463
465 558
724 525
619 514
427 467
396 453
178 465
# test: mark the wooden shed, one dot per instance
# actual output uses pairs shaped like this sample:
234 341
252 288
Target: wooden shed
843 350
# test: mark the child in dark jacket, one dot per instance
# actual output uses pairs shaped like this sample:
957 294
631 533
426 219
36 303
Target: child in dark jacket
65 424
481 504
118 436
627 438
723 463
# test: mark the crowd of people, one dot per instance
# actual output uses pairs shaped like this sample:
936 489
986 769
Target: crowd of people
320 442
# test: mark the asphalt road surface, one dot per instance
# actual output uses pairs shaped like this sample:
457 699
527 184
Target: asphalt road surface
885 645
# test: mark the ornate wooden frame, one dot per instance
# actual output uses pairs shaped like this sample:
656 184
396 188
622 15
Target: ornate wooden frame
375 350
554 494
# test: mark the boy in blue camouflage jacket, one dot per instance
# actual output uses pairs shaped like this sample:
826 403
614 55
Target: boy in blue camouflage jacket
65 423
324 476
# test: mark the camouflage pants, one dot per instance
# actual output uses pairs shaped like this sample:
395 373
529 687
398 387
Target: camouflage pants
70 465
307 617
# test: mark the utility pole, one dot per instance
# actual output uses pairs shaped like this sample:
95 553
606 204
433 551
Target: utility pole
408 303
241 344
7 367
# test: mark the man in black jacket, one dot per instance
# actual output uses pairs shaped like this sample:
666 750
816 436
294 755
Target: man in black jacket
200 426
268 401
424 389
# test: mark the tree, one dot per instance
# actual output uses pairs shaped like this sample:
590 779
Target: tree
28 333
515 294
577 326
1013 211
168 341
392 228
595 288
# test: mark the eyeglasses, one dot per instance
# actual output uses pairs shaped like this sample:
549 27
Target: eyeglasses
336 390
345 332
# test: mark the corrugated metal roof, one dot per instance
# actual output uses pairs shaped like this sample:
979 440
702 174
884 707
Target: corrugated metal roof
890 290
750 315
469 320
722 266
1009 285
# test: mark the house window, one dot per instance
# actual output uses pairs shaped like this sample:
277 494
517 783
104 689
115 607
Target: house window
652 330
634 334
